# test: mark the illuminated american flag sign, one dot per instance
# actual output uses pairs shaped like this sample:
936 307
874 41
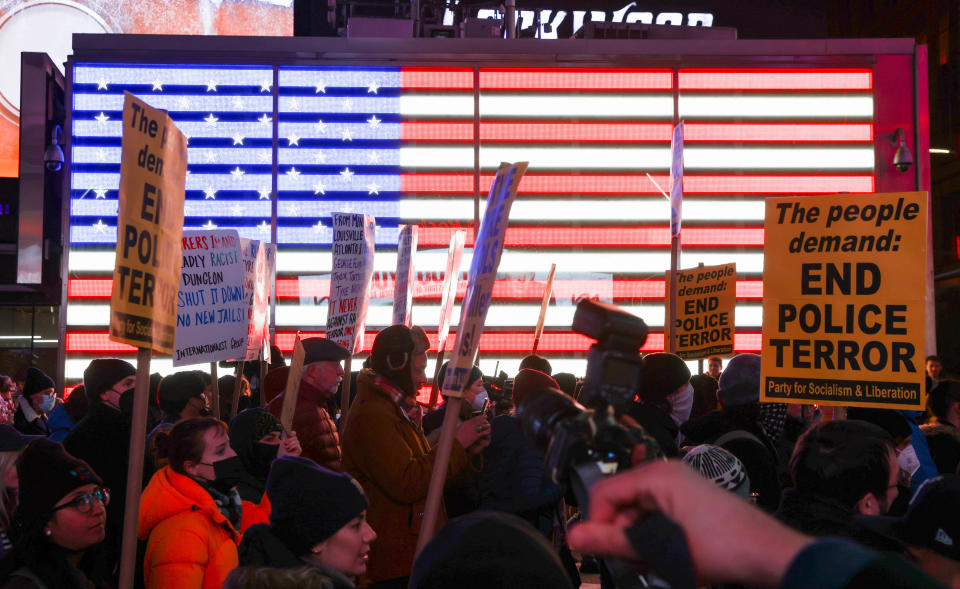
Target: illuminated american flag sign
413 144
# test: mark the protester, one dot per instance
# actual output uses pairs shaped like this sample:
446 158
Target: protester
303 577
536 362
704 395
738 428
318 518
316 430
386 452
102 439
12 444
274 383
36 402
226 385
567 383
840 469
714 367
180 396
488 549
728 540
191 515
934 370
665 399
943 430
258 439
8 388
721 467
68 414
61 521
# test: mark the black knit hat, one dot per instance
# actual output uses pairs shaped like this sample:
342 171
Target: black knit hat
102 374
475 375
177 389
309 503
36 382
740 381
319 349
47 473
660 375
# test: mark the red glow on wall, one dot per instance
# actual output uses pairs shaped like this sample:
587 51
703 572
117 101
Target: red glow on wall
745 80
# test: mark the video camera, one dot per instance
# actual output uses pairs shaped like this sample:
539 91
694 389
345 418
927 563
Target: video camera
500 390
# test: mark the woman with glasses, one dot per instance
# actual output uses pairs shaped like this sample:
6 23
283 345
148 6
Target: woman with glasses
60 523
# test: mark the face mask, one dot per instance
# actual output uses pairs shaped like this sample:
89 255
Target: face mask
908 461
126 402
681 404
227 473
46 405
480 401
263 457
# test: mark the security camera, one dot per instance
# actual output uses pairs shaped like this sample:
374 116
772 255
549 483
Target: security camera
902 158
53 154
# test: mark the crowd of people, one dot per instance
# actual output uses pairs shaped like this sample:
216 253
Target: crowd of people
764 494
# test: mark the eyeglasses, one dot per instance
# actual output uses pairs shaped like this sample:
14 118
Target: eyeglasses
84 503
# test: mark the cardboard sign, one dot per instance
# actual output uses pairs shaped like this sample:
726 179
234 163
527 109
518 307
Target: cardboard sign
676 179
146 277
483 272
844 300
706 299
211 309
259 303
406 279
451 277
353 244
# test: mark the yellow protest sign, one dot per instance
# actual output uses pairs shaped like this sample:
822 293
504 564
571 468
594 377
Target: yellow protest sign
153 167
844 281
706 299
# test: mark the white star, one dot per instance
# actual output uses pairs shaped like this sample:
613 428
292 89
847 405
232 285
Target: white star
265 119
266 85
294 211
321 126
373 157
265 156
293 172
373 188
101 192
321 87
211 86
237 103
293 140
236 172
318 227
265 194
157 85
347 174
210 156
319 188
347 135
264 227
99 227
373 88
184 103
209 194
320 157
374 121
101 155
211 120
294 104
102 118
237 210
210 225
102 83
347 104
238 139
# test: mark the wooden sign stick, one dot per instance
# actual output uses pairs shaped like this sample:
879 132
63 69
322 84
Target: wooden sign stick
138 437
292 391
214 391
434 389
547 291
237 383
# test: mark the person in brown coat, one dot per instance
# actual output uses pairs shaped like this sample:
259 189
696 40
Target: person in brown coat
316 430
386 452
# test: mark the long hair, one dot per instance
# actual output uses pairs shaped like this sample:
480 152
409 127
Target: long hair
8 495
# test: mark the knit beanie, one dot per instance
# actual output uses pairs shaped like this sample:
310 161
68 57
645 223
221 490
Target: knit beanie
392 356
309 503
529 381
740 381
36 381
47 473
248 428
720 467
177 389
660 375
475 375
102 374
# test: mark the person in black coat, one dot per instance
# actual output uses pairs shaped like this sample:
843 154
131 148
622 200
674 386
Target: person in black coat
102 439
36 402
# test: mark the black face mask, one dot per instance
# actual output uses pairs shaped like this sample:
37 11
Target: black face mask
125 402
263 456
227 473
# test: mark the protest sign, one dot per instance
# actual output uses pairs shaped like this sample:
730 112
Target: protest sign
406 279
353 239
547 291
706 299
292 390
844 300
256 292
153 168
211 310
448 294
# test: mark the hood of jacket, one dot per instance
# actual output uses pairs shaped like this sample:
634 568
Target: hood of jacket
937 428
170 493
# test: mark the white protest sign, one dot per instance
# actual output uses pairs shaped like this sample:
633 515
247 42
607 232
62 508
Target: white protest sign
450 279
483 272
676 179
211 308
254 268
406 279
353 244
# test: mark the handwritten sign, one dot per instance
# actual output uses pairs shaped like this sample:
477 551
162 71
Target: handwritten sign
211 308
406 279
450 279
146 276
483 273
353 244
706 301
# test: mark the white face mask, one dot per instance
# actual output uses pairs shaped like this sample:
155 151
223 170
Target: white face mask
908 461
681 404
479 401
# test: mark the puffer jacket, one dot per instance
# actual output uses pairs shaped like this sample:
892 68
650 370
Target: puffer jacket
392 460
316 430
190 544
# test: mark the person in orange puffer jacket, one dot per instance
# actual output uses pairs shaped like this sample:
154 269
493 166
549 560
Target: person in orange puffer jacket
191 514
